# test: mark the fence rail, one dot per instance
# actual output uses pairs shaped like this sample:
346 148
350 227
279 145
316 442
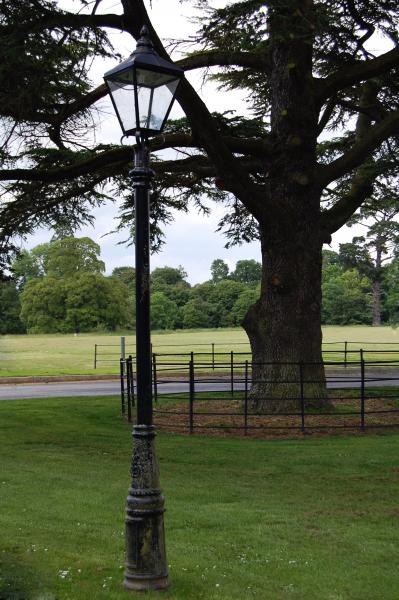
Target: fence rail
366 397
339 351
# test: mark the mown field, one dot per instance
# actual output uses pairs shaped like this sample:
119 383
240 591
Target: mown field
68 354
309 519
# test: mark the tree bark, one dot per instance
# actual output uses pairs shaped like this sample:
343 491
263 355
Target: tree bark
377 287
376 303
284 326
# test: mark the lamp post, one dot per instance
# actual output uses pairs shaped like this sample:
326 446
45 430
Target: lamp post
142 90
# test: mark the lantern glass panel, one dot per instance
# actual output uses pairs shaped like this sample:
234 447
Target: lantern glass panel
155 95
122 91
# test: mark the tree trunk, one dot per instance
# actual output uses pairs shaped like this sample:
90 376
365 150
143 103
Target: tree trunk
284 329
377 287
284 326
376 303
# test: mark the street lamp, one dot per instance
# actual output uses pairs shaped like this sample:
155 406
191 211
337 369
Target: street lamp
142 90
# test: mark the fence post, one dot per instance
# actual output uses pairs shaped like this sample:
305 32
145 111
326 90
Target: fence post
232 373
123 347
362 390
213 356
154 376
346 355
246 399
129 378
191 397
95 356
132 383
122 376
302 397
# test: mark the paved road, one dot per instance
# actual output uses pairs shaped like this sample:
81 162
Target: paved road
110 388
90 388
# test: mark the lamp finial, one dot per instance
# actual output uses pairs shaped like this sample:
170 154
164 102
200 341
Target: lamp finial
144 41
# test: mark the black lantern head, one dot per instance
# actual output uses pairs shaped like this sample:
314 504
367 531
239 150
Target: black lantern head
143 88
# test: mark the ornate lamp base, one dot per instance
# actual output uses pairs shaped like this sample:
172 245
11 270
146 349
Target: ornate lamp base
146 567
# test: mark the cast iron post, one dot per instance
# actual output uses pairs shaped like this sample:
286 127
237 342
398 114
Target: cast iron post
146 567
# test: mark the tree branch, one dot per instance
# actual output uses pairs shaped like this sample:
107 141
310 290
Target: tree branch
325 117
212 58
356 73
360 150
334 218
65 19
124 155
361 23
362 181
65 111
201 166
81 103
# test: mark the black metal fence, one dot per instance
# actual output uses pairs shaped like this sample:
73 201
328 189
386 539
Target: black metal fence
339 352
190 397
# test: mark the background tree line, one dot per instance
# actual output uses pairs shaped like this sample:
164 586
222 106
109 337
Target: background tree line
60 287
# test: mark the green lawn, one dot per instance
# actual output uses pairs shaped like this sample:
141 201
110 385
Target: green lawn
311 519
68 354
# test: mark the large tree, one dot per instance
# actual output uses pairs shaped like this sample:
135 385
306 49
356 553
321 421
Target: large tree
84 302
368 253
308 70
248 272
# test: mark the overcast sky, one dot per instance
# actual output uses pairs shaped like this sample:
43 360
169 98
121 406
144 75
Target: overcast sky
191 240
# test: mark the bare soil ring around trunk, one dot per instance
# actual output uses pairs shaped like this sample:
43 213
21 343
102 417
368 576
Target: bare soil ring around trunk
218 416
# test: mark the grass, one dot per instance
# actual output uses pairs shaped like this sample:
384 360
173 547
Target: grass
68 354
309 519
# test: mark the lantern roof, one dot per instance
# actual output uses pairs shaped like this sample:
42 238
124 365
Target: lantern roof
145 57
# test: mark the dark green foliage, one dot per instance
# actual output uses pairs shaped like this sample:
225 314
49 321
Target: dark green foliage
347 299
71 305
87 300
222 298
219 270
45 67
164 312
356 255
62 257
126 275
369 253
168 276
43 305
391 291
30 264
346 288
171 283
248 272
68 256
10 308
62 229
95 302
330 258
64 289
242 304
196 313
